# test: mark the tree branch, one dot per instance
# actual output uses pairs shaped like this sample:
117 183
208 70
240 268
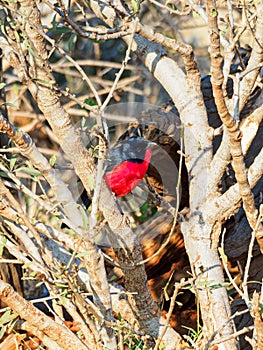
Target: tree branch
248 82
230 123
38 320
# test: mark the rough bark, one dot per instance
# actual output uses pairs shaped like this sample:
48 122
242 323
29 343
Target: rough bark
58 333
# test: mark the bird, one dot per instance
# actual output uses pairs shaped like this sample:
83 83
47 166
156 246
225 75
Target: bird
127 164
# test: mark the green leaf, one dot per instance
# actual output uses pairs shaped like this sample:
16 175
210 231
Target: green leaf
85 219
119 317
7 317
91 181
45 82
2 85
80 255
28 47
144 207
2 331
53 160
26 265
9 104
13 161
2 244
166 295
33 274
136 5
29 171
90 102
61 285
113 278
80 333
63 299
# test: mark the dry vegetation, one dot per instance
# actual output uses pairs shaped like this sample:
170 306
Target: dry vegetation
177 264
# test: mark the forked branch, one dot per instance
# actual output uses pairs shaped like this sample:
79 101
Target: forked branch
230 123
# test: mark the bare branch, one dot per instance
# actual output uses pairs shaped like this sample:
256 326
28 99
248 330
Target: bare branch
38 320
230 123
248 83
28 149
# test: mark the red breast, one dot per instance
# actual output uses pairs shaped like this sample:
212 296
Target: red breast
124 177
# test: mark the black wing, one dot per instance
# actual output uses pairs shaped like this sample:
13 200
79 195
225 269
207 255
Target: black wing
132 149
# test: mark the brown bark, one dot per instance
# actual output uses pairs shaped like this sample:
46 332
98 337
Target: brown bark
231 124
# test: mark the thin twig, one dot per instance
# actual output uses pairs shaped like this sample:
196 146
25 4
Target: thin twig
231 124
27 148
124 63
14 204
211 339
170 10
93 33
63 52
227 270
231 336
177 287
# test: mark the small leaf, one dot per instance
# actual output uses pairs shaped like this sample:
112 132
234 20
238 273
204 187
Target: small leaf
91 181
43 196
2 85
45 82
136 5
7 317
80 333
2 244
61 285
17 37
222 254
3 174
2 331
13 161
90 102
9 104
63 299
29 171
119 317
33 274
28 47
39 284
113 278
85 219
26 265
53 160
166 295
80 255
